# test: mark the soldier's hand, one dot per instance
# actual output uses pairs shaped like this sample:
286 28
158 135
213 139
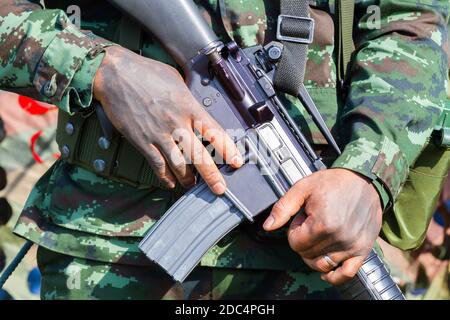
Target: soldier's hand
342 219
149 103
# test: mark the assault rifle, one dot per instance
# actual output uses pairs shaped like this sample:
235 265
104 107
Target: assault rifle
235 86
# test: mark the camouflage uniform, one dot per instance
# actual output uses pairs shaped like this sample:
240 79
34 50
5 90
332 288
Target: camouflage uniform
88 227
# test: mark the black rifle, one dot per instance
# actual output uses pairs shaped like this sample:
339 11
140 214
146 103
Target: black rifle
235 87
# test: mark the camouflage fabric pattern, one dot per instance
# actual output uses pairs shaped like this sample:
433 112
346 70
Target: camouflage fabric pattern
384 123
68 277
42 52
393 83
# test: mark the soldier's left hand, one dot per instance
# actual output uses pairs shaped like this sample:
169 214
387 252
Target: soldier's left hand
342 219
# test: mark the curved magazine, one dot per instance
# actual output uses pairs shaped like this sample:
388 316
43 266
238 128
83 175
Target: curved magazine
199 219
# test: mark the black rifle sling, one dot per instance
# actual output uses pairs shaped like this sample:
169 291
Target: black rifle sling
295 30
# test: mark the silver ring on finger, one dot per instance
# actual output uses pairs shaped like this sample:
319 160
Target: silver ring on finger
330 261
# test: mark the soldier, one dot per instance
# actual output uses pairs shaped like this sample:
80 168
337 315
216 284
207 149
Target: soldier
91 209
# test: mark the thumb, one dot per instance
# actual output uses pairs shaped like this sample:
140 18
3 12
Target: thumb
288 205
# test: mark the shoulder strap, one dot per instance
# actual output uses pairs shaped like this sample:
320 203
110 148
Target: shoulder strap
295 30
345 10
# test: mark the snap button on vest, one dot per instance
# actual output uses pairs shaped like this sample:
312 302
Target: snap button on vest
65 151
99 165
104 143
70 128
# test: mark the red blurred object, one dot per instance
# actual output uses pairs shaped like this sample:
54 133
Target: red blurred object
33 107
33 144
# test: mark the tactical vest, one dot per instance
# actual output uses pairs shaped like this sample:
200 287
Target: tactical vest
84 141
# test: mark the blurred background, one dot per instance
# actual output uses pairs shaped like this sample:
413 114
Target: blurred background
28 149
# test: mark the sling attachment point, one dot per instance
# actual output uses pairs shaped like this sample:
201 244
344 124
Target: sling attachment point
295 30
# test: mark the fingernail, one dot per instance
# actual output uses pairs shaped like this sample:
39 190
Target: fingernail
170 184
219 188
269 222
237 161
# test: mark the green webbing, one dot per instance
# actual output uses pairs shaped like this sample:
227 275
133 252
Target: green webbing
123 162
345 10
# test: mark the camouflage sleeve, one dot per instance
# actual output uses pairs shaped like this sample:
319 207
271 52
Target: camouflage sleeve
44 56
397 89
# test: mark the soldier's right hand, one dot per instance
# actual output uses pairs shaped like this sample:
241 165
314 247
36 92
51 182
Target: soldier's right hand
149 103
